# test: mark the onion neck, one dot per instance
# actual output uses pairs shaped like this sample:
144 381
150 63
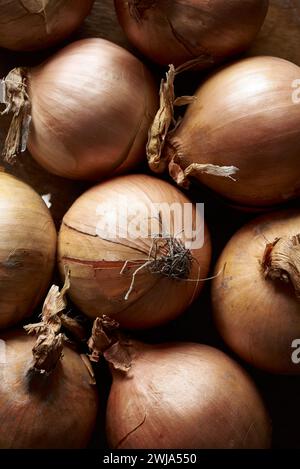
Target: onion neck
281 261
108 342
18 103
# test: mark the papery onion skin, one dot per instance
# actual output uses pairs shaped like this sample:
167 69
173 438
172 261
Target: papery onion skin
27 249
56 411
97 285
92 105
256 316
244 116
36 24
178 31
185 395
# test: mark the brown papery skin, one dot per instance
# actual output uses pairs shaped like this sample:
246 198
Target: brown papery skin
244 116
95 262
27 249
257 317
185 395
169 31
56 411
92 106
28 25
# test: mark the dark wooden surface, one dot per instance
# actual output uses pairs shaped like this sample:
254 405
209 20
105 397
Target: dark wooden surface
280 36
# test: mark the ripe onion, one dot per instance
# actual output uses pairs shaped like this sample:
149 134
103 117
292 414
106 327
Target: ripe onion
184 395
256 298
178 31
37 24
27 249
140 279
56 410
243 124
91 106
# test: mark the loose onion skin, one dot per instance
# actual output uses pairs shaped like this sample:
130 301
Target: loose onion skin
96 260
44 411
178 31
244 117
91 105
36 24
257 314
27 249
185 395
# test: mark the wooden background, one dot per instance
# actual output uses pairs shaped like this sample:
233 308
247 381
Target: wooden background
280 36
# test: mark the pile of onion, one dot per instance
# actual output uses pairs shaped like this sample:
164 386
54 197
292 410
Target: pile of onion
256 298
27 249
31 25
90 105
178 31
142 278
177 395
240 135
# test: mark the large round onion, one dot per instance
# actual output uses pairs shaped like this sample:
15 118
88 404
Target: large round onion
140 280
27 249
243 117
178 31
91 105
184 395
256 298
56 410
36 24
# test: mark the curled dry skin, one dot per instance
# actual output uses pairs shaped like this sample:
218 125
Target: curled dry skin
47 397
27 249
139 280
36 24
117 98
243 124
178 31
256 298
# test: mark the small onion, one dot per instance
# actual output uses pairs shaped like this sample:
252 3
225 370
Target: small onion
43 411
256 298
184 395
37 24
244 117
139 279
27 249
91 106
178 31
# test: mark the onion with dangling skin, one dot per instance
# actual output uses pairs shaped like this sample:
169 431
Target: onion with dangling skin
36 24
178 31
45 402
44 411
141 278
244 124
256 298
160 388
27 249
91 106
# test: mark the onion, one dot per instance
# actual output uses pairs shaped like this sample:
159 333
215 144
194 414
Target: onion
42 411
178 31
45 402
37 24
183 395
143 278
256 298
91 108
27 249
242 118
